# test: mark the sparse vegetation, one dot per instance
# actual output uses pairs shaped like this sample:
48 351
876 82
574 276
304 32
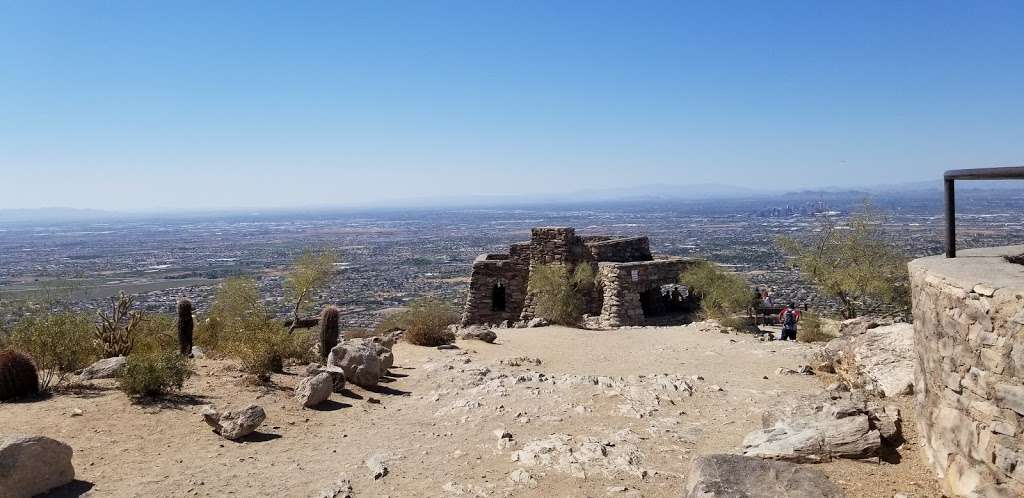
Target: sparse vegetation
154 372
810 329
558 296
18 376
856 264
114 333
310 272
722 294
59 344
425 322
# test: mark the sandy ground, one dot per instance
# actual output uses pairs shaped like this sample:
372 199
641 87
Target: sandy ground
583 422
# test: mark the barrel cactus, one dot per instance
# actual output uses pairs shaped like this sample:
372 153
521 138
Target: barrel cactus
18 377
185 326
330 319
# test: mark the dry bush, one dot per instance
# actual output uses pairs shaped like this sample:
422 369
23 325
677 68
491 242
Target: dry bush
558 296
810 330
114 333
59 344
425 322
154 372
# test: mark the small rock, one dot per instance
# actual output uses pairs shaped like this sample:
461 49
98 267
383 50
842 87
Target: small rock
76 412
447 346
520 476
340 489
373 401
237 424
378 466
537 322
314 390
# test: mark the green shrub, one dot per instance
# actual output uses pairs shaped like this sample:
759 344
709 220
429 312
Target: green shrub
558 295
722 294
425 322
59 344
154 372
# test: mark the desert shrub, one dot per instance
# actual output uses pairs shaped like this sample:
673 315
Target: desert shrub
114 333
736 322
558 295
857 264
722 294
810 329
155 332
154 372
59 344
425 322
18 376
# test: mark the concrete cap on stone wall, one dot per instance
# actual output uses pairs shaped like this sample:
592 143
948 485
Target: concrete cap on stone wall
983 271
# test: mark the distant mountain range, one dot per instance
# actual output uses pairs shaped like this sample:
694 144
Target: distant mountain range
645 193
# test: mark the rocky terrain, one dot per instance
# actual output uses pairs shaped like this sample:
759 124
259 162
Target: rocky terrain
544 411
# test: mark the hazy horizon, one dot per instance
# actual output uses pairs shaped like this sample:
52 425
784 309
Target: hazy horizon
124 106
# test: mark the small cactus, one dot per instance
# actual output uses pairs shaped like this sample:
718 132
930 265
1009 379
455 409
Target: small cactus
185 326
18 377
329 322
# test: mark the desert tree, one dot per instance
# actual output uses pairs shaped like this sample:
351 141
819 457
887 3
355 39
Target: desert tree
309 273
854 262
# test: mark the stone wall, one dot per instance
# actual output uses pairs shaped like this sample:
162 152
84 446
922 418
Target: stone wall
622 283
969 372
511 272
621 250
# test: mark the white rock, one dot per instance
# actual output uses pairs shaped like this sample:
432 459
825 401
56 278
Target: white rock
32 465
314 390
235 424
106 368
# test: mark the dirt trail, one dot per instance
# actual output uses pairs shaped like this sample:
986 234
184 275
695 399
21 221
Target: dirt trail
616 413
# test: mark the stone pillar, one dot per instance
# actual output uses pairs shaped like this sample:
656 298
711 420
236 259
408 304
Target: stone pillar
969 378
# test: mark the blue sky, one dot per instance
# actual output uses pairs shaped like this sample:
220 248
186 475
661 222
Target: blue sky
142 105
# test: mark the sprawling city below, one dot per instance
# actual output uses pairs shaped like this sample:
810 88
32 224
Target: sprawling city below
388 257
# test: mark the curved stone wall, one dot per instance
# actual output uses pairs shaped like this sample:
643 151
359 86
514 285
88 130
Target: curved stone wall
969 378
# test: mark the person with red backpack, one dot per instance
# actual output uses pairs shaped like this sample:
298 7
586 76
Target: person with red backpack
788 318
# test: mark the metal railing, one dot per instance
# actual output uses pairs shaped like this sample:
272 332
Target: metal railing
1011 173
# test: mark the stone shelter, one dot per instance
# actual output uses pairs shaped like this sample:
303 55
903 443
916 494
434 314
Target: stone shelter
627 290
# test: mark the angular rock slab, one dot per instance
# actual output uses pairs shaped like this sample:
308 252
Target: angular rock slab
735 476
235 424
315 389
106 368
32 465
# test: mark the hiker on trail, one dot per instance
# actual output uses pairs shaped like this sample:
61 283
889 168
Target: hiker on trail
788 318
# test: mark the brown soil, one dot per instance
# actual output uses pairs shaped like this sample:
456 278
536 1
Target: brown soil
437 415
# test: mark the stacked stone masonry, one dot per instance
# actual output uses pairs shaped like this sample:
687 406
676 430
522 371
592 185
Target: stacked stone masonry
969 378
626 272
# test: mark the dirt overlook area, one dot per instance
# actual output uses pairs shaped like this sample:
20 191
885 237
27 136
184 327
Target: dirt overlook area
546 411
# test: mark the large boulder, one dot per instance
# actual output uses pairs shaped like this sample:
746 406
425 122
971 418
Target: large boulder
235 424
735 476
360 360
822 432
878 358
315 389
32 465
106 368
480 333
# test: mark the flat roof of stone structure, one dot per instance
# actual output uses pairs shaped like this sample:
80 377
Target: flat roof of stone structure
986 268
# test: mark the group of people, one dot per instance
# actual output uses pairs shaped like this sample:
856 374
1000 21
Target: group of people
788 317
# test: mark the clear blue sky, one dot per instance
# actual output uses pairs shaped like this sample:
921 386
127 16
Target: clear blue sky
227 104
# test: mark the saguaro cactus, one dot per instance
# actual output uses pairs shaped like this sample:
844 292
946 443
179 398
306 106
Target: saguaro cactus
185 326
330 319
18 377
